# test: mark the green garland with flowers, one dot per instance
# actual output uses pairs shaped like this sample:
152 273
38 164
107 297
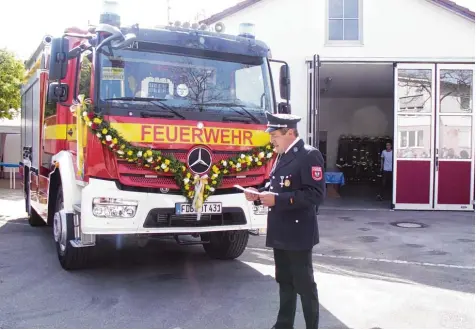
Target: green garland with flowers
154 159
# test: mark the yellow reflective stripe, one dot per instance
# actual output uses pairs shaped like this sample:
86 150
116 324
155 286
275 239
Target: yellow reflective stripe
163 133
55 132
150 133
58 132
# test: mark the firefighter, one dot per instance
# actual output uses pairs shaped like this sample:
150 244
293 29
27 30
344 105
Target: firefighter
293 195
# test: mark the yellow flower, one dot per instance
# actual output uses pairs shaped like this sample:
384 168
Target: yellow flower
268 147
104 131
97 121
183 168
167 162
129 153
123 147
260 163
114 140
189 175
214 182
191 193
187 187
207 187
149 152
225 171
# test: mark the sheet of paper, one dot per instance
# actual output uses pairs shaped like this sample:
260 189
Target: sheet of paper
253 192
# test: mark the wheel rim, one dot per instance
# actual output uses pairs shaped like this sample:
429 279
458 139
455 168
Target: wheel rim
59 227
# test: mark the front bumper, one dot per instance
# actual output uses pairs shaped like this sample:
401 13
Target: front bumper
156 213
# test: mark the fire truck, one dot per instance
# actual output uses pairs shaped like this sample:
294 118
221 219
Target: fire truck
148 132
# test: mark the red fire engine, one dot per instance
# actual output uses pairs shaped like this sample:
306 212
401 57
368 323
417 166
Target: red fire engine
128 130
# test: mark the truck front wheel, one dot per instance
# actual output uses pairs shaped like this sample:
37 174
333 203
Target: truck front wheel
225 245
69 256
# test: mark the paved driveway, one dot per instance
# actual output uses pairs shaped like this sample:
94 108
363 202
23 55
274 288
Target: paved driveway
369 272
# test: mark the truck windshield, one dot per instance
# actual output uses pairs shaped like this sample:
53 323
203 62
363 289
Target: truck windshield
216 82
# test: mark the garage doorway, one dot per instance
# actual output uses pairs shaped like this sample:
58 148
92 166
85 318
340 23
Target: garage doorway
354 107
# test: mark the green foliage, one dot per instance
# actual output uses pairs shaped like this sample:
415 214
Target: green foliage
11 75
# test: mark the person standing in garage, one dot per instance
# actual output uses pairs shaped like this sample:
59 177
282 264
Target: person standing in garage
294 194
386 168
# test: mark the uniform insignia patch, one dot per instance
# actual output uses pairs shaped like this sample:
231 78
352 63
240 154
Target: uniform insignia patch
287 183
316 172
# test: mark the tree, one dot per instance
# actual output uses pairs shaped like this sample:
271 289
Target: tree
11 76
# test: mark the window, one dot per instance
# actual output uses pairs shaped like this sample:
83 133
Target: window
249 86
344 23
411 139
84 76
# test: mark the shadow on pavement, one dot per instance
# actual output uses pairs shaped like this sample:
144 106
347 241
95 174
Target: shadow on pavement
455 279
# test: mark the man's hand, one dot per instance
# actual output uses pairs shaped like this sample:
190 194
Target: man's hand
267 200
251 197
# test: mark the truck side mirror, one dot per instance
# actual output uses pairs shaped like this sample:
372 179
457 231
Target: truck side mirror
285 82
59 59
284 107
57 92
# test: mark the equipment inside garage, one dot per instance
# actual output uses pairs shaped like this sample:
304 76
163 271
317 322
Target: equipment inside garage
356 121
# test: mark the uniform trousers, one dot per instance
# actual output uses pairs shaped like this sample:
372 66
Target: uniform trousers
295 275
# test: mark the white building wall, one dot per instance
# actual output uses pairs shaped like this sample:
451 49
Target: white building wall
392 29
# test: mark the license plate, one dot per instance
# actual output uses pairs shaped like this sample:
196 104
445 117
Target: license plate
260 209
207 208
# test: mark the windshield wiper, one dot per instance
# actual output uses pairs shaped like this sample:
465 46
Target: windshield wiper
155 101
147 114
246 120
233 106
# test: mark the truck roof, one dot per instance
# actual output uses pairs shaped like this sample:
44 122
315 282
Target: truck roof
200 39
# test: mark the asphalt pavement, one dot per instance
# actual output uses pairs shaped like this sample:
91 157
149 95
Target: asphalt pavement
370 274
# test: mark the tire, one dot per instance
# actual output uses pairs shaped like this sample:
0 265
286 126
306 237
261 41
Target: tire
226 245
70 258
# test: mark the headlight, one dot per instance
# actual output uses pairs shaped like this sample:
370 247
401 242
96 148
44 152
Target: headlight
104 207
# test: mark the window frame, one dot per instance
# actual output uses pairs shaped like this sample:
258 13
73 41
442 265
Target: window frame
358 42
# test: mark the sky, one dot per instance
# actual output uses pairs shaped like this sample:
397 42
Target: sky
25 22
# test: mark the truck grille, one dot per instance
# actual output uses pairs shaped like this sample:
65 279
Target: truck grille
132 175
165 218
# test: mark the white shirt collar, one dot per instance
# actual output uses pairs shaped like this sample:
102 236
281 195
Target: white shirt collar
292 144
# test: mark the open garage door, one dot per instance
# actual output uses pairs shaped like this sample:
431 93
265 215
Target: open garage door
313 101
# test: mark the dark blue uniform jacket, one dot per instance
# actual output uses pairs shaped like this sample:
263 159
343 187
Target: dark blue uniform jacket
299 180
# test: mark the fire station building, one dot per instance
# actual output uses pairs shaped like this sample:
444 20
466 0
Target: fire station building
364 72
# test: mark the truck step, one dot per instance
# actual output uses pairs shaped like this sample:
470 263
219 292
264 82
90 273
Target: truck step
77 208
190 242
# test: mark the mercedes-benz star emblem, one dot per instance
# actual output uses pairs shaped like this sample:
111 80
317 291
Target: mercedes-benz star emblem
199 160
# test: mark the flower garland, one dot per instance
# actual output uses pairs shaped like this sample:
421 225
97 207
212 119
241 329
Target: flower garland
193 187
